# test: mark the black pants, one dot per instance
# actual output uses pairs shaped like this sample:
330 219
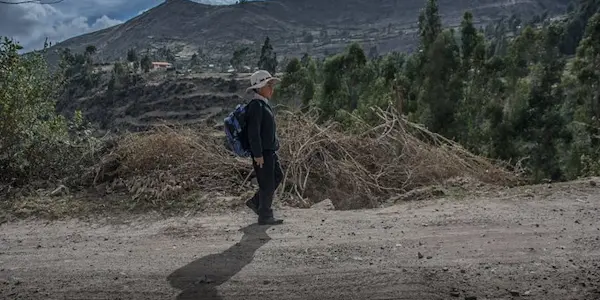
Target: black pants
269 177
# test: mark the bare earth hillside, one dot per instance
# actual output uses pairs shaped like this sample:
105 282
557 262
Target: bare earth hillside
295 27
184 100
539 242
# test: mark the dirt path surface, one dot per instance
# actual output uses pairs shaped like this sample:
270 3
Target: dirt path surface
541 243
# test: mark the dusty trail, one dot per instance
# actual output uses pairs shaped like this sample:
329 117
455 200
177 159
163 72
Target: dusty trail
538 244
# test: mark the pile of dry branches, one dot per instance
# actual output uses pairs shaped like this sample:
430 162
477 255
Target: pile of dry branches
165 163
357 170
319 161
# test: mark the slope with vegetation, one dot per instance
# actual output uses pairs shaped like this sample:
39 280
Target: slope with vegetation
518 99
176 30
352 134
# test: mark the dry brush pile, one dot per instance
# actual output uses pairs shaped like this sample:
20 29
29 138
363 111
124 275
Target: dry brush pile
320 161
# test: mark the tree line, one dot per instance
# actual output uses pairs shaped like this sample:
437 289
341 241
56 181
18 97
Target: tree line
531 97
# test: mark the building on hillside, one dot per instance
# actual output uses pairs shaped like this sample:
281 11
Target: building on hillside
102 67
156 65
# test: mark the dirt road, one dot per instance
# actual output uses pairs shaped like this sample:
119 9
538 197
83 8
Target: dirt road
538 243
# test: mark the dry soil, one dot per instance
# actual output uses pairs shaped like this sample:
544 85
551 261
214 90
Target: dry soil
532 243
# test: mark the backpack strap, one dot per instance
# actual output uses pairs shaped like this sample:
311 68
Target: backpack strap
259 101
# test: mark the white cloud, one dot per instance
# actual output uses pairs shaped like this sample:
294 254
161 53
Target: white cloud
143 11
104 22
30 24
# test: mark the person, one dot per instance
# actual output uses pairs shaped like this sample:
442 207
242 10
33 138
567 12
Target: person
264 144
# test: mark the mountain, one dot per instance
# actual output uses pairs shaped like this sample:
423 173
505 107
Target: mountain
294 26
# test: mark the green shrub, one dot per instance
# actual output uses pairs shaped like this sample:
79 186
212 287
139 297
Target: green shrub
36 143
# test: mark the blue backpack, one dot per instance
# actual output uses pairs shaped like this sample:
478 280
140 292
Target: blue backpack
235 130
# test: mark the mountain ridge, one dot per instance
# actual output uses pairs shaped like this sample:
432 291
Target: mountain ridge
294 27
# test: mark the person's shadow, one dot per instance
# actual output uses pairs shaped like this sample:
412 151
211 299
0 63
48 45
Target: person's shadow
199 279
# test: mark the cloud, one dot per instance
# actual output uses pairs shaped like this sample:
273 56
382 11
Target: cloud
30 24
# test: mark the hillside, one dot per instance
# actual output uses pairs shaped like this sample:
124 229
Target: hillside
158 98
295 27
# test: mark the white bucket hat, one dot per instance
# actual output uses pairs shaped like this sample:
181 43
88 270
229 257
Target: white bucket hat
260 78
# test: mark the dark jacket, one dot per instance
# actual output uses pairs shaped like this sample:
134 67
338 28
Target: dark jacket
261 128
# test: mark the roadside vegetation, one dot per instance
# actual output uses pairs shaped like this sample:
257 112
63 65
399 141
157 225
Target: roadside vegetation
517 102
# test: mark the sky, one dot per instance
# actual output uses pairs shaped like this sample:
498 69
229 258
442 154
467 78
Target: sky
31 23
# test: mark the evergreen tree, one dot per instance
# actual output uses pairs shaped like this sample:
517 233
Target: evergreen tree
238 58
583 105
441 88
291 82
430 24
194 61
469 39
90 50
430 27
576 24
587 68
132 55
146 63
268 58
343 81
541 122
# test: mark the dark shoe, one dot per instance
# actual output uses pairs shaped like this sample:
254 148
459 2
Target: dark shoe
251 206
270 221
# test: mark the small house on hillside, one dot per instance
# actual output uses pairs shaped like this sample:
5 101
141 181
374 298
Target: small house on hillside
161 65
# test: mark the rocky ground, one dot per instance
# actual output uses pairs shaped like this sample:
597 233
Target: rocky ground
538 242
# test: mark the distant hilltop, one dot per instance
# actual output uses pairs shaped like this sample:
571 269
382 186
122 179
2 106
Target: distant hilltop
212 32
